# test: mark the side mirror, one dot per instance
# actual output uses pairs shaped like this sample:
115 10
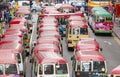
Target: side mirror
31 60
26 53
61 38
72 58
101 49
19 61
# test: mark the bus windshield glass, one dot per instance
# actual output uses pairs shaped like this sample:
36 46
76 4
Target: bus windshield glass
83 31
101 19
86 66
10 69
109 19
99 66
48 69
1 69
61 69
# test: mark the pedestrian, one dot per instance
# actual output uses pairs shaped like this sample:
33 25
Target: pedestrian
31 4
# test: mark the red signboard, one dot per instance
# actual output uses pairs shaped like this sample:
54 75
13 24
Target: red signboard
117 9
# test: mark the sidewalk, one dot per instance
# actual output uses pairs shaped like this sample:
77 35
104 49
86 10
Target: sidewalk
117 28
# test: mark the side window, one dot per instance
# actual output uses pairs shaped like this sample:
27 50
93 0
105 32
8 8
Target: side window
35 68
19 58
1 70
69 30
40 69
78 66
75 31
74 64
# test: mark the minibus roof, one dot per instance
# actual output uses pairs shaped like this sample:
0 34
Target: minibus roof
116 70
10 40
7 57
76 18
19 26
16 33
47 40
45 47
48 28
81 24
49 18
91 55
48 23
67 6
49 58
18 20
13 46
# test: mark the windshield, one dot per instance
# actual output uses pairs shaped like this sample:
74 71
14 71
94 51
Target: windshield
101 19
78 66
61 69
1 69
109 19
10 69
86 66
83 31
99 66
40 69
48 69
76 31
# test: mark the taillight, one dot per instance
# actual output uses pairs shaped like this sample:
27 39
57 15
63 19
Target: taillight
27 47
21 73
86 33
96 28
78 73
69 41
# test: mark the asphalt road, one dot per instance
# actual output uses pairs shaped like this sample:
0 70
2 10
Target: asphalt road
109 44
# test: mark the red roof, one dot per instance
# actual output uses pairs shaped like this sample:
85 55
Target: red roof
10 40
17 20
19 26
116 70
7 57
50 33
89 55
17 33
14 46
64 6
52 12
52 19
13 30
46 47
23 12
87 43
76 18
49 58
48 28
48 41
78 24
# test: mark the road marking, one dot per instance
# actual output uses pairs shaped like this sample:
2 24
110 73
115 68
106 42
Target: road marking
116 39
109 43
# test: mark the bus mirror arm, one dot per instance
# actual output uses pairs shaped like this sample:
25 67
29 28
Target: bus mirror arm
31 60
72 58
101 49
